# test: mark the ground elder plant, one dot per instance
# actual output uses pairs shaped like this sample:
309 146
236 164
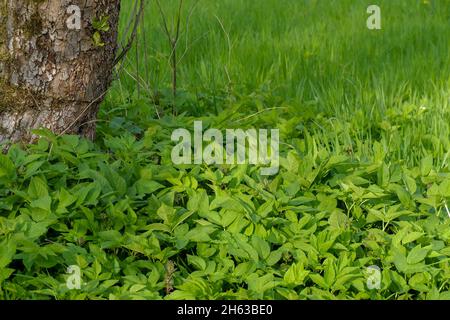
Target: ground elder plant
359 207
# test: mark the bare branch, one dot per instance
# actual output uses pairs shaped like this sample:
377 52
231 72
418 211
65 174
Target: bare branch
133 34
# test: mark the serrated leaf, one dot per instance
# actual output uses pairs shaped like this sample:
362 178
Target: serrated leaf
417 254
37 188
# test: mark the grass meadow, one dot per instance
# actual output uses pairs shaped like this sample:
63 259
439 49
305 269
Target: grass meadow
358 210
308 58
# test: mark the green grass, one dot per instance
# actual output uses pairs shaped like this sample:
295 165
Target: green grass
314 55
364 179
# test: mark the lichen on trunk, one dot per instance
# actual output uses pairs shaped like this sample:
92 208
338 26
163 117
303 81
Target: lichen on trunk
51 75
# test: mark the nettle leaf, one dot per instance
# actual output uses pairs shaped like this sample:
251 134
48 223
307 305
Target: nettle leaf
200 234
329 273
417 254
426 165
259 285
244 269
296 274
115 180
7 252
44 202
7 169
399 282
319 280
401 263
166 213
37 229
110 239
98 179
327 203
411 237
420 282
410 183
198 202
228 217
181 295
37 188
444 188
197 262
274 257
261 246
402 194
145 186
87 193
65 200
346 277
338 220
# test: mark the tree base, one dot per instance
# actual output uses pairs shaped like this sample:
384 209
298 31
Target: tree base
75 118
55 65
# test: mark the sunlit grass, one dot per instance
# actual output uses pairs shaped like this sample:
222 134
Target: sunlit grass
391 85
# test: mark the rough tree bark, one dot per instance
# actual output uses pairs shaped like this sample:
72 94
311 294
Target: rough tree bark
52 73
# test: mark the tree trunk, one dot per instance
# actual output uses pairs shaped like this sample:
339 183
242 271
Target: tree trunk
52 72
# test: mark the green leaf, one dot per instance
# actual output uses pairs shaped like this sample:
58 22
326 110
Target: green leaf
296 274
410 184
266 208
37 188
444 188
319 280
198 202
329 274
166 213
402 194
417 254
37 230
7 252
426 165
44 202
420 282
110 239
411 237
97 39
145 186
101 24
274 257
7 169
197 262
244 269
261 246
